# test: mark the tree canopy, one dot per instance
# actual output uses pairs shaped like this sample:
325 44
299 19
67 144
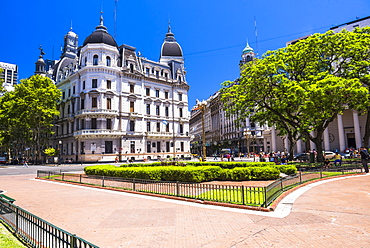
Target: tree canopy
301 88
27 114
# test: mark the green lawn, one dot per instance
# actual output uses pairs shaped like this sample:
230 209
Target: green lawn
253 197
7 239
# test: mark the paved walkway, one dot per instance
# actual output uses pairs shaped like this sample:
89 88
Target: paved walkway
330 213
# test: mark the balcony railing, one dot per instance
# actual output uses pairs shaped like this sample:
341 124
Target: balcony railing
96 111
98 132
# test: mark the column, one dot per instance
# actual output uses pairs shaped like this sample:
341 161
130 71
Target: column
299 146
326 140
356 125
273 139
286 144
342 143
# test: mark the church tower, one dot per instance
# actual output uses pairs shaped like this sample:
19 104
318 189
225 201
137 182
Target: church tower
70 45
247 55
40 64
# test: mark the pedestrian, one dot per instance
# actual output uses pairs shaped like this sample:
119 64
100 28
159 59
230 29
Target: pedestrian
116 160
326 163
364 158
215 157
25 163
337 159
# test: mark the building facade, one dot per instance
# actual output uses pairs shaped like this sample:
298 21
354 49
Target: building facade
115 103
9 75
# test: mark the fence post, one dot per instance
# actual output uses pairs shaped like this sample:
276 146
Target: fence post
321 173
300 177
177 188
102 184
62 176
133 185
80 178
73 241
16 220
243 198
49 174
265 193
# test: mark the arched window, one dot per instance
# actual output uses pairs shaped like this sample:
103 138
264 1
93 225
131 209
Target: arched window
108 61
95 59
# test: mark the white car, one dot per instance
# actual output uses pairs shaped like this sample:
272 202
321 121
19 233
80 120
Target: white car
329 154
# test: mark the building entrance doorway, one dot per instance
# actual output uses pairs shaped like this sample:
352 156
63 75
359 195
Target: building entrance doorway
351 140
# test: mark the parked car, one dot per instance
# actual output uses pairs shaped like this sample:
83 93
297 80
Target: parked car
345 155
302 157
2 160
329 154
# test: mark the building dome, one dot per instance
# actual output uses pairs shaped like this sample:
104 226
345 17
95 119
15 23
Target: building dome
170 47
100 35
248 49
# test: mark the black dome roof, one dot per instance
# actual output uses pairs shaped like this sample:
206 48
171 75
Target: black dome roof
100 36
170 46
171 49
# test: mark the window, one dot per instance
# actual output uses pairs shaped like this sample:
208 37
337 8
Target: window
132 125
95 59
147 91
180 97
148 109
109 103
82 103
83 85
181 128
93 123
167 146
148 126
74 89
182 146
168 128
166 111
69 92
131 68
83 126
148 147
156 93
63 95
85 61
166 94
132 88
82 144
109 84
132 107
147 70
157 110
69 109
157 74
108 61
158 126
94 83
166 75
180 112
132 146
109 123
94 102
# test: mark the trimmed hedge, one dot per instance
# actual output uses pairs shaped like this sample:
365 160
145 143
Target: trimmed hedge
224 165
191 173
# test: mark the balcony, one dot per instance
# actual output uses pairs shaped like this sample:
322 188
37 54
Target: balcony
98 133
97 112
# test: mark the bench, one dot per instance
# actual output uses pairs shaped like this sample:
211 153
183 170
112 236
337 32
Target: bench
7 198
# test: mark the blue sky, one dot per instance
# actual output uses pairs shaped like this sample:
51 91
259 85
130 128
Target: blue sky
212 34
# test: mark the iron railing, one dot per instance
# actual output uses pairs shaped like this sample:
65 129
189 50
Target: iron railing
37 232
235 194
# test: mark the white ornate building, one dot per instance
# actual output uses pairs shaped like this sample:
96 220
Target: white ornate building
116 103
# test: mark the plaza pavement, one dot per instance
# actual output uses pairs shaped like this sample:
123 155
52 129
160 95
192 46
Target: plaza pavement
328 213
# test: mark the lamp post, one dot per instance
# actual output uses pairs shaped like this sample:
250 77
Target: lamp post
60 150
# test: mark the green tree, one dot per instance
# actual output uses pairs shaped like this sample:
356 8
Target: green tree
27 114
301 88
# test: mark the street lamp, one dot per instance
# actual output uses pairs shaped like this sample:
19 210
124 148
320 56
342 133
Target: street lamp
254 133
60 150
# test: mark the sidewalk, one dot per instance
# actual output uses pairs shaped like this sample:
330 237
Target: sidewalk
330 213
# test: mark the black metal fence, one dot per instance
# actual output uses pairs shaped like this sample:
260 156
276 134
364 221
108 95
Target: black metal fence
37 232
235 194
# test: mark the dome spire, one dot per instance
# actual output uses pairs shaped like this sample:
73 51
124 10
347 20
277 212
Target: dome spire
101 24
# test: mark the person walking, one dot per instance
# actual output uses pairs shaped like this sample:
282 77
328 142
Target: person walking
25 163
364 158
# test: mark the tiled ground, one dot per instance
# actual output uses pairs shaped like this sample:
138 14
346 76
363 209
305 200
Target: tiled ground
332 214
